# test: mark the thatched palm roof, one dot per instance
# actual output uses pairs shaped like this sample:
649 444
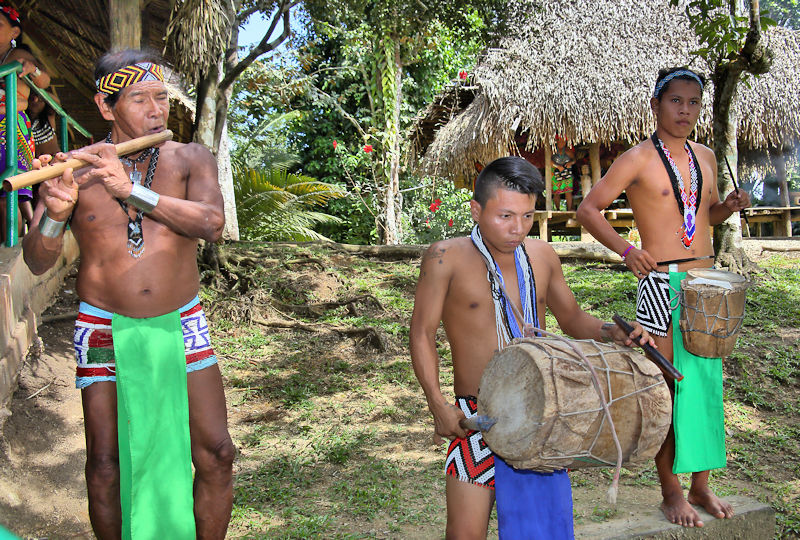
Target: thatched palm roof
69 35
586 70
769 110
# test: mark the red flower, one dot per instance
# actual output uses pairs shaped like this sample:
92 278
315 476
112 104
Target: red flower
428 223
450 223
335 144
11 12
462 75
368 148
435 205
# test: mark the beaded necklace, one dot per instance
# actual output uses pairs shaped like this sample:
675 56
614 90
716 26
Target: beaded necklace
688 202
135 237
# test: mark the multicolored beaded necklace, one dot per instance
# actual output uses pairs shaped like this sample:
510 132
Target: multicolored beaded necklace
688 203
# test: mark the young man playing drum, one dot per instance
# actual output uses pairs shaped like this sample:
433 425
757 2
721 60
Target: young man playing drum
478 318
671 184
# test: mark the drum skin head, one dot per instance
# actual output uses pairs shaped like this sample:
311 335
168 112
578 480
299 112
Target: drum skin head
718 275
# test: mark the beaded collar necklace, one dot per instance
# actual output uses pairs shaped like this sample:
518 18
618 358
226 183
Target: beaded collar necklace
688 202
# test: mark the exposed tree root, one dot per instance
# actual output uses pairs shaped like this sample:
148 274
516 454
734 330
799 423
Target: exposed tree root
738 262
318 309
367 335
309 260
779 250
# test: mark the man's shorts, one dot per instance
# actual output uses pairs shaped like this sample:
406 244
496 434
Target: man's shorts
470 459
94 345
653 303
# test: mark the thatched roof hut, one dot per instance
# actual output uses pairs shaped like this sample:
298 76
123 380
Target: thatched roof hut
586 70
69 35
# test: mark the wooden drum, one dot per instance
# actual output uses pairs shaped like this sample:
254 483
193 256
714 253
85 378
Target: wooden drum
549 413
712 311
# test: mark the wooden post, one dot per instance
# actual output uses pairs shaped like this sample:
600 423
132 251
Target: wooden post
586 186
548 178
544 233
594 162
125 18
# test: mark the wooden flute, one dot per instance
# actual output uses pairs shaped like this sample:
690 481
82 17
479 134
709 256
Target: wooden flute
123 149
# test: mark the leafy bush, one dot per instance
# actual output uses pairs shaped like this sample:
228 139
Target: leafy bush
435 211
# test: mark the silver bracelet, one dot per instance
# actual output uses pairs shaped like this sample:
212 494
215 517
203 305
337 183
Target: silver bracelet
49 227
142 198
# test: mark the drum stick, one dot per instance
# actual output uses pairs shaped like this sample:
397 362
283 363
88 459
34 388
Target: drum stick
652 353
736 189
679 261
123 149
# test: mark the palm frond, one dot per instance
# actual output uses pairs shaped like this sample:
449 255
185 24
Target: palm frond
274 204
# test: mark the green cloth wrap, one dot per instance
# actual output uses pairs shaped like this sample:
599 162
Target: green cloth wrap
698 417
155 455
5 534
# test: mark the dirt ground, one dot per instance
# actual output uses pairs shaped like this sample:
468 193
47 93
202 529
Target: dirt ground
42 490
42 449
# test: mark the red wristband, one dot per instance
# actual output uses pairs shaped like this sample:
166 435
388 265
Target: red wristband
625 253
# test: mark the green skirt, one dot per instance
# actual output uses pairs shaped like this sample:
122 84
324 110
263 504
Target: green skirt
155 456
697 415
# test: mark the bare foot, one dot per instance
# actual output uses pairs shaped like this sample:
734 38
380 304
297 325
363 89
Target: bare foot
713 504
677 510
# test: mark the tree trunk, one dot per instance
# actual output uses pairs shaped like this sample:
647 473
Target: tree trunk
210 133
779 164
392 193
390 90
231 231
753 58
728 234
206 115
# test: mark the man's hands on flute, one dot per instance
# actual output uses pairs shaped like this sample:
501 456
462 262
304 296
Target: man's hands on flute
60 194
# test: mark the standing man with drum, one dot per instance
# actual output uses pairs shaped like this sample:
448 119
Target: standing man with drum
671 185
454 288
152 393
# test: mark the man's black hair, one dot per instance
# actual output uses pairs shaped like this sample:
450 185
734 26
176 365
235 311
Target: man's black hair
512 172
692 76
112 61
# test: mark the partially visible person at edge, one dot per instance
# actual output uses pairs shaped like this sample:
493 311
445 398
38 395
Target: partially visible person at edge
453 288
671 184
43 131
152 393
43 125
563 181
11 51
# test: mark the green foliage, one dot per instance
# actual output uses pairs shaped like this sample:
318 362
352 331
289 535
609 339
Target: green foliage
435 211
784 12
722 31
277 205
352 55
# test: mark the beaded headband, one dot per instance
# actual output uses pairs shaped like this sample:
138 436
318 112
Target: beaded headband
128 75
11 13
681 72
